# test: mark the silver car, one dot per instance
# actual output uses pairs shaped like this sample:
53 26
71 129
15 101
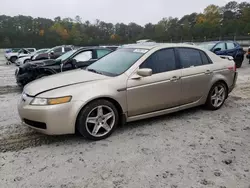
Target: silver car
132 83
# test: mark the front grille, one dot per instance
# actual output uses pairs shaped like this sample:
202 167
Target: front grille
36 124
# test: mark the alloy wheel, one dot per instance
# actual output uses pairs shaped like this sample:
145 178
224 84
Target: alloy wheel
218 96
100 121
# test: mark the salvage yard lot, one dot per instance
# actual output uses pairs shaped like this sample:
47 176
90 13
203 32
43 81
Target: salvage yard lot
193 148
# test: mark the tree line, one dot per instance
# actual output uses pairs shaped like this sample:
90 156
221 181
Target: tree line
231 21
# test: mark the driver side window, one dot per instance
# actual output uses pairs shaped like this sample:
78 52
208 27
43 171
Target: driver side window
83 56
221 45
160 61
57 50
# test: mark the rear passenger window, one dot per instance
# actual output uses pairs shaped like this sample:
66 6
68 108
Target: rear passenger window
57 50
230 45
160 61
189 57
204 58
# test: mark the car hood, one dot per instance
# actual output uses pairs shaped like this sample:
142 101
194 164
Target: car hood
40 63
11 54
61 80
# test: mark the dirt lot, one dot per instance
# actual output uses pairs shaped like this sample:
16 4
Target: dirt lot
190 149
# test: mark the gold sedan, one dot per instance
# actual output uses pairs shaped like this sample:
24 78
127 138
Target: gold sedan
134 82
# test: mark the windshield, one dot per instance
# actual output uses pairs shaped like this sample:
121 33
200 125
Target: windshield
66 55
207 45
117 62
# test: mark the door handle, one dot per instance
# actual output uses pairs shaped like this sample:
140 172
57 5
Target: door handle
174 78
208 72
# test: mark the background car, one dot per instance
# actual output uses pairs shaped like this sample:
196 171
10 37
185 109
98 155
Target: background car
25 59
228 48
248 54
112 47
13 56
132 83
78 58
144 41
53 53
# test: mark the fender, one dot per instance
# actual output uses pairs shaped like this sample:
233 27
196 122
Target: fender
48 70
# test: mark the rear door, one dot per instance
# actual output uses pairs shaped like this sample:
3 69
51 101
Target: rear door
231 49
196 74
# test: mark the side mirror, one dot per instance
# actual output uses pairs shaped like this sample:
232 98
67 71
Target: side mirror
142 73
217 49
52 52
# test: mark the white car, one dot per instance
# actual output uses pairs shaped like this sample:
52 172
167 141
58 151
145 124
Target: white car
13 56
25 59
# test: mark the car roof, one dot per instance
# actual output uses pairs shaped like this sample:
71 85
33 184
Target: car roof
92 48
152 45
218 41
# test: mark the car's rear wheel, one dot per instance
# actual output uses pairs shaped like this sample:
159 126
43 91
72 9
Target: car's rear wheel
217 96
97 120
13 59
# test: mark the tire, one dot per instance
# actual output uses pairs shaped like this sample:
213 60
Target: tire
213 96
13 59
238 62
100 125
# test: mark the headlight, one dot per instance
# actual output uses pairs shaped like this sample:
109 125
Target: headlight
50 101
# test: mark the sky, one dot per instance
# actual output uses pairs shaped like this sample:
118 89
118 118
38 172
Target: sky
114 11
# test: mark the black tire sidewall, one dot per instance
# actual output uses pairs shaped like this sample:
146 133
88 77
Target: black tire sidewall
81 119
209 101
238 61
12 59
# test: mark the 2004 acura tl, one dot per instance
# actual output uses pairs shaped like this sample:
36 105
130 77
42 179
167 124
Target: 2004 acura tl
135 82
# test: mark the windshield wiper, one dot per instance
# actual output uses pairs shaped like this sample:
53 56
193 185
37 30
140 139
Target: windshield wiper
93 70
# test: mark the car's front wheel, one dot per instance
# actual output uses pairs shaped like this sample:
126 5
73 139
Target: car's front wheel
217 96
97 120
13 59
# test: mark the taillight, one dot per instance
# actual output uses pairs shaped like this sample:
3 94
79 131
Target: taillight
232 68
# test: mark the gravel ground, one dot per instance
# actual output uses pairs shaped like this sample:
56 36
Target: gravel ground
193 148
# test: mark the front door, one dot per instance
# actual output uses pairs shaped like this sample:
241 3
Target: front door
196 74
222 47
159 91
84 59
